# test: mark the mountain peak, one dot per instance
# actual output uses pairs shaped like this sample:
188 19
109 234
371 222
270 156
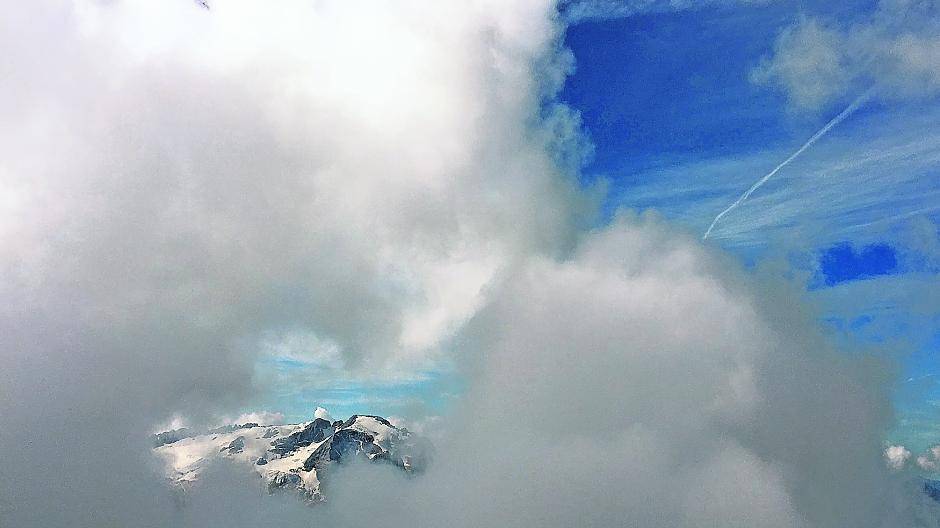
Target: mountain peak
292 456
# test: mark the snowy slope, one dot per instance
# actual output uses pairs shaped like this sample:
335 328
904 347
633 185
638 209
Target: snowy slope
291 457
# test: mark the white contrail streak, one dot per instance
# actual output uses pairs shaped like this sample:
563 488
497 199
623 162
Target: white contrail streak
822 132
918 378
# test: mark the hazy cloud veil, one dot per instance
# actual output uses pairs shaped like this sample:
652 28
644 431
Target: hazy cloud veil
180 184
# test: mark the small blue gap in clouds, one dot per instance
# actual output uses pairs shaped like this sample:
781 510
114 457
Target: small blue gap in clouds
842 263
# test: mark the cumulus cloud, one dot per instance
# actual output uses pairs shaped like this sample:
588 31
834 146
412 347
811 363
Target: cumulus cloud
233 178
896 50
643 348
183 187
930 461
897 456
386 184
641 379
322 414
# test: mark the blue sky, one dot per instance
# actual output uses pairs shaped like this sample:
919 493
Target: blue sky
679 126
301 386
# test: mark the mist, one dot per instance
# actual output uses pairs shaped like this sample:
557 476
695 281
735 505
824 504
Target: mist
398 180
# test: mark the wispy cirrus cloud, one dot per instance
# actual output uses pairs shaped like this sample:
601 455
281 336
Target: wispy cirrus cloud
576 11
871 178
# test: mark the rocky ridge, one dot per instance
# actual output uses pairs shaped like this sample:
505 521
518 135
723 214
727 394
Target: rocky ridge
292 457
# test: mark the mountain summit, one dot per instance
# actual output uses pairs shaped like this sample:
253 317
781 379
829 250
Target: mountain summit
292 457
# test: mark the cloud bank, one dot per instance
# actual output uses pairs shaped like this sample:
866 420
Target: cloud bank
183 186
395 180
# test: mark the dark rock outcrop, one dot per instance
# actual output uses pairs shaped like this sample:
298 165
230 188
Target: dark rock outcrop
315 431
271 432
343 445
231 428
235 446
352 419
169 437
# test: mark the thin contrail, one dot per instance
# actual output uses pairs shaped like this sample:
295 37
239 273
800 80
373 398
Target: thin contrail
822 132
918 378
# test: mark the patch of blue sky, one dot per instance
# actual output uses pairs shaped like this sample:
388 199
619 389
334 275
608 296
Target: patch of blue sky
579 11
660 89
296 388
853 185
917 400
843 262
679 128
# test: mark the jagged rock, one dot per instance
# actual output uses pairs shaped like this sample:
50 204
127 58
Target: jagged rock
168 437
343 444
295 457
236 446
271 432
316 431
281 480
354 418
231 428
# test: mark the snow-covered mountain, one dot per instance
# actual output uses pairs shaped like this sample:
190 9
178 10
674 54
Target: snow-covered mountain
291 457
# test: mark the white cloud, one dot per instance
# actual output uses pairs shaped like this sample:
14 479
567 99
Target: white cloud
259 417
333 162
175 422
323 414
896 49
897 456
384 183
189 188
925 463
930 461
808 63
641 378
